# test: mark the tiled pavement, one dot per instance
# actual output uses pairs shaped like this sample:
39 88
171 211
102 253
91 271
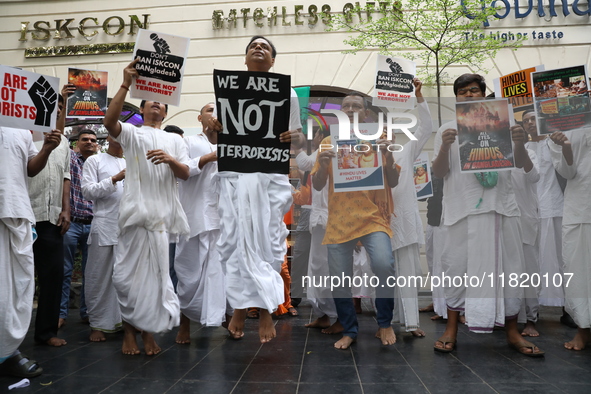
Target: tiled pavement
303 360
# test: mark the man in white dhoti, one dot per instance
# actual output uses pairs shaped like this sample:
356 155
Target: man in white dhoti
102 182
551 203
483 236
318 295
201 285
150 209
252 261
571 155
407 226
19 158
525 188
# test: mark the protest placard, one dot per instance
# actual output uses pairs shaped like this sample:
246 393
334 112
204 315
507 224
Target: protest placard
89 100
28 100
561 98
394 87
422 176
517 87
254 109
160 68
357 165
484 135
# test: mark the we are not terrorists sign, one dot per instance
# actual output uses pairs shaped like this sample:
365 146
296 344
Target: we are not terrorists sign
253 108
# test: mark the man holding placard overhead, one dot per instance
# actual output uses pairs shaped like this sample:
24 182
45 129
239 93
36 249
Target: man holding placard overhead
149 211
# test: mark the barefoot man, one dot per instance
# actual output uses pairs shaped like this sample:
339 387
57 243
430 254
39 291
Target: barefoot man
359 216
571 155
201 285
102 182
149 211
253 258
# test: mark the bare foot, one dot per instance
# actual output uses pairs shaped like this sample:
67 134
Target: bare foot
56 342
97 336
266 326
61 322
418 333
321 322
336 328
386 335
344 342
357 303
530 330
462 319
130 346
428 308
236 326
184 334
150 345
436 317
581 339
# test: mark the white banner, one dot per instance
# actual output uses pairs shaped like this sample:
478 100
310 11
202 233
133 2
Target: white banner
162 63
28 100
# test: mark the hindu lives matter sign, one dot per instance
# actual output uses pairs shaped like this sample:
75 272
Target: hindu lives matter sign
253 108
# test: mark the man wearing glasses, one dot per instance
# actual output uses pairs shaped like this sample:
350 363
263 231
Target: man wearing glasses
81 217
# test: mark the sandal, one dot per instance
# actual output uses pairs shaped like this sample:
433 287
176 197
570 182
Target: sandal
444 349
21 367
522 346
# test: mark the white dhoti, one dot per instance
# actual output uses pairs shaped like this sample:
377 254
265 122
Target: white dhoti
101 297
146 296
487 248
252 239
434 239
317 291
361 269
201 286
406 307
551 262
530 306
17 283
577 257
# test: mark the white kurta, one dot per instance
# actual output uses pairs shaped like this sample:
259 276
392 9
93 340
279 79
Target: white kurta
318 295
97 186
252 240
149 210
201 284
577 224
480 238
406 223
17 283
551 202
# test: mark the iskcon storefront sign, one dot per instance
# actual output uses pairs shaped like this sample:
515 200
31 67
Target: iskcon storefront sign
88 27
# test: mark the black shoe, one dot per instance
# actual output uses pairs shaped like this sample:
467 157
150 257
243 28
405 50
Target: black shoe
567 320
295 302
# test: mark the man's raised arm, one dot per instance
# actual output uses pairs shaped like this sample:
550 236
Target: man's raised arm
111 120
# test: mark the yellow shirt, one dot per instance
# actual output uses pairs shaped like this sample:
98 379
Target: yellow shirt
355 214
